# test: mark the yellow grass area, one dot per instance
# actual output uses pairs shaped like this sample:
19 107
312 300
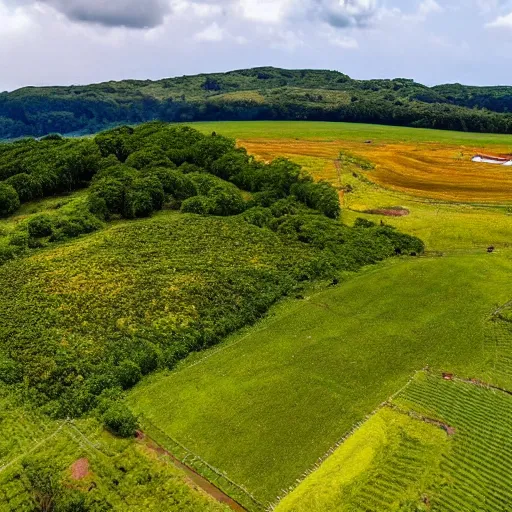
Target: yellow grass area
428 170
438 216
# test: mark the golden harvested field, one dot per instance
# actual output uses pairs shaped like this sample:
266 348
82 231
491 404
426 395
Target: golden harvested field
424 169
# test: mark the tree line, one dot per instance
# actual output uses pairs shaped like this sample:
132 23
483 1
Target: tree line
255 94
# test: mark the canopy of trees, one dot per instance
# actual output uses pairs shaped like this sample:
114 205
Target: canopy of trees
260 93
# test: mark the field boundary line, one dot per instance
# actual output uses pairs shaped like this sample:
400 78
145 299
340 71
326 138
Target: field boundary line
224 346
34 448
341 441
189 453
501 308
472 382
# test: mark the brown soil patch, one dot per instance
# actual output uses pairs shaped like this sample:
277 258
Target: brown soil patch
389 212
80 469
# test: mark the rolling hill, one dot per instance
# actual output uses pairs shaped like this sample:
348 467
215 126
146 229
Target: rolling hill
255 94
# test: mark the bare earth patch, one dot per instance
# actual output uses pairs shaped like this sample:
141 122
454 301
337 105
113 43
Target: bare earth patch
80 469
389 212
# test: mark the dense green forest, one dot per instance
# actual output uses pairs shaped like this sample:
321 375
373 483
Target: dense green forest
172 240
255 94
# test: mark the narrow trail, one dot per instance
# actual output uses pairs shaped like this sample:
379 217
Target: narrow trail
341 192
198 480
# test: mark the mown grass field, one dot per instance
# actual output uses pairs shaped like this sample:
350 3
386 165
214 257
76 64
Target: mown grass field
277 397
266 408
401 459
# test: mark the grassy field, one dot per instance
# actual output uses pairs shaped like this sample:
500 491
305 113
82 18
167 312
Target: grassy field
402 460
288 389
295 384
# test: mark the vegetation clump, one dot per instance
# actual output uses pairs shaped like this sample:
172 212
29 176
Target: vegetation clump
138 296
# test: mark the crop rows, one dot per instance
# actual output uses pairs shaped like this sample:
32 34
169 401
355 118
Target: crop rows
476 474
380 490
499 347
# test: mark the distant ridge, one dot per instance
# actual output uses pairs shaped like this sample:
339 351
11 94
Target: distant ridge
263 93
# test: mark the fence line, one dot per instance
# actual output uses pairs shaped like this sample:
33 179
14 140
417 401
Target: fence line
335 446
34 448
197 461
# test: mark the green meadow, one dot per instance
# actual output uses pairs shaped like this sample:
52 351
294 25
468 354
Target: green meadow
349 131
275 398
269 404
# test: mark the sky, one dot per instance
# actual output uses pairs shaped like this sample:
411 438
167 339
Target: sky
62 42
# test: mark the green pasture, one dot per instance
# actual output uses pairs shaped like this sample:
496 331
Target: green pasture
264 409
348 131
385 465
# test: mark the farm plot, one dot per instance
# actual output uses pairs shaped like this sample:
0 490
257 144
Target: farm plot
423 163
453 454
477 473
441 223
265 409
384 466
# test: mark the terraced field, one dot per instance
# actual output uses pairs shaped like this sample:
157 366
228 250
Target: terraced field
477 472
443 446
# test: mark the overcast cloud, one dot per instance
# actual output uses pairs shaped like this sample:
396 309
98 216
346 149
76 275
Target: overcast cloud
45 42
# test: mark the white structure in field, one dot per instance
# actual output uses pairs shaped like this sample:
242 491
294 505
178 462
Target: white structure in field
488 159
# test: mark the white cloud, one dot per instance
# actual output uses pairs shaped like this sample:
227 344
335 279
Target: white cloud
212 34
266 11
14 21
501 22
428 7
346 42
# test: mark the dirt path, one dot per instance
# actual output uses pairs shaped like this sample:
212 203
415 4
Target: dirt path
341 192
194 477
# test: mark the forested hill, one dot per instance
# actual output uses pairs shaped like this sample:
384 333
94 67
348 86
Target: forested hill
250 94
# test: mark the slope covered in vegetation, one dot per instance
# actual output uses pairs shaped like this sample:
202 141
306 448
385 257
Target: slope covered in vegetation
89 317
260 93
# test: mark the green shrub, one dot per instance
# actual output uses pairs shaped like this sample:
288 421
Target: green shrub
26 186
119 420
19 239
73 225
187 168
174 182
321 196
258 216
144 196
9 200
98 206
226 201
197 204
112 191
10 371
40 226
288 206
364 223
149 157
120 172
128 374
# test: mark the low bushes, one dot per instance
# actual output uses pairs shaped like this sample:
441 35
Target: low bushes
9 200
